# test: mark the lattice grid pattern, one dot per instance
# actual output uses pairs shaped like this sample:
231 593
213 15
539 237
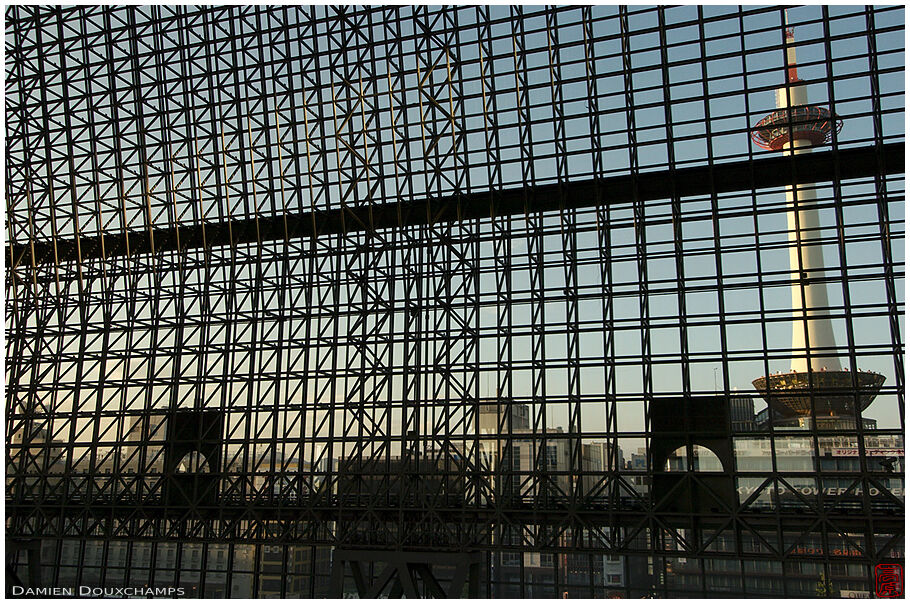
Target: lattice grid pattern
417 278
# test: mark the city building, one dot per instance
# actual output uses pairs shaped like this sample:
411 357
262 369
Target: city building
742 413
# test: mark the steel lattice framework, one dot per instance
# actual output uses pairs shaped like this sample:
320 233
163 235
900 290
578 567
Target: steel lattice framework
303 300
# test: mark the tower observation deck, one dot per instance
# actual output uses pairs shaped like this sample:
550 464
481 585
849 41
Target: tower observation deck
817 385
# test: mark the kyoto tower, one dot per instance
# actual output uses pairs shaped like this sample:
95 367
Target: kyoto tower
817 390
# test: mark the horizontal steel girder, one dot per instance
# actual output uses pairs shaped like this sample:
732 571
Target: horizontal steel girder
579 517
822 166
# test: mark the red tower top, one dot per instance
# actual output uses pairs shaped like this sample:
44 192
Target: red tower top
793 122
791 60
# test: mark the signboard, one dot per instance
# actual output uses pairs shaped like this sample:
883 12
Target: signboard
812 491
852 593
854 452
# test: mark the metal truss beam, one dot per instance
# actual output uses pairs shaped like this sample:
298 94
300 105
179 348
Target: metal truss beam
823 166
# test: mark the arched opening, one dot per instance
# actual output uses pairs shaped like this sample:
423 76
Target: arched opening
703 460
193 462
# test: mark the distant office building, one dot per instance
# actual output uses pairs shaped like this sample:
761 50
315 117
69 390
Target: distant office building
517 452
128 564
277 579
39 447
498 416
638 461
795 452
515 459
31 454
742 413
143 447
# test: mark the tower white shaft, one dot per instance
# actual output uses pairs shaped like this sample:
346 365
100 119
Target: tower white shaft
813 335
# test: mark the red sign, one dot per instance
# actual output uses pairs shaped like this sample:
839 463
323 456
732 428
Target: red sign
889 580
